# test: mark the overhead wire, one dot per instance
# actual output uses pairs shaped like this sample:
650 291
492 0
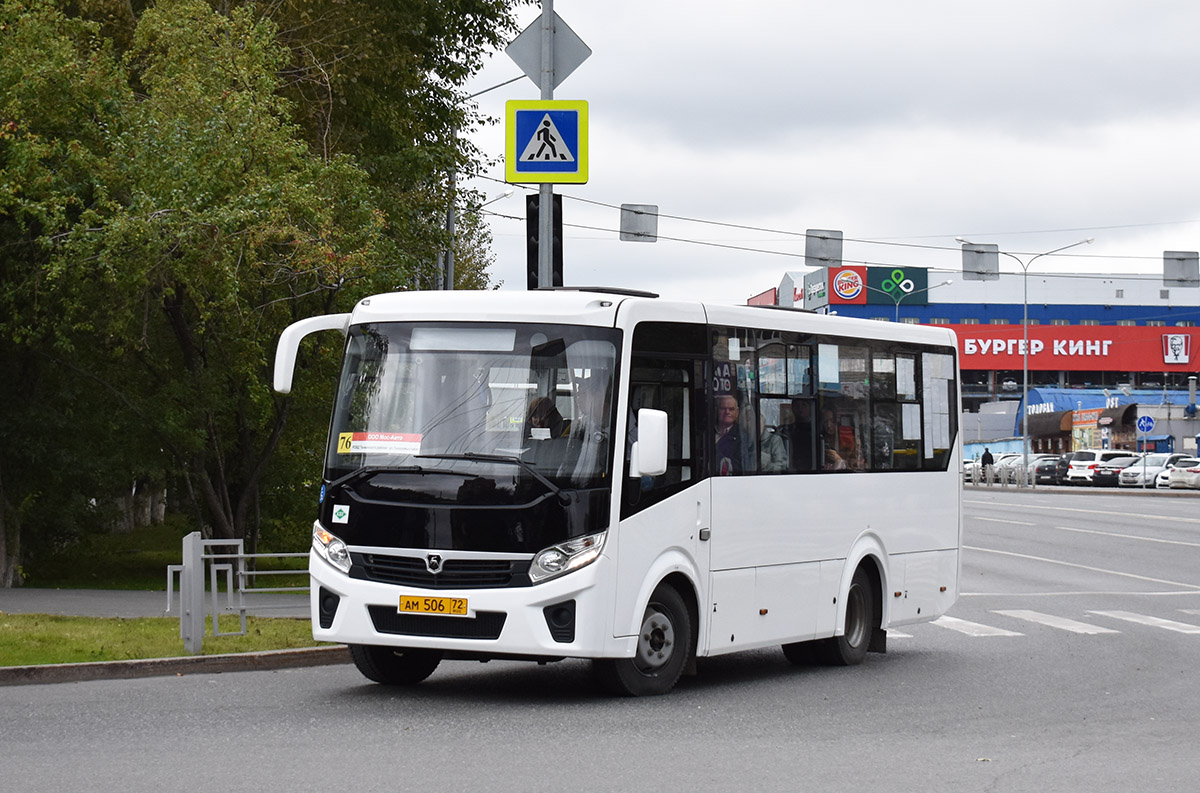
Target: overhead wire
857 240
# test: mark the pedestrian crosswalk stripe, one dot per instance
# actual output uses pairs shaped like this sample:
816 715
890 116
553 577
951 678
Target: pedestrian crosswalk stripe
1052 621
972 628
1156 622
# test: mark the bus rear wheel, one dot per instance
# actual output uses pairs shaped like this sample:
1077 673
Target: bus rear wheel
394 666
851 647
663 646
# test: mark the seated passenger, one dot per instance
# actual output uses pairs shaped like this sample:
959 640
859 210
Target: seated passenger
544 421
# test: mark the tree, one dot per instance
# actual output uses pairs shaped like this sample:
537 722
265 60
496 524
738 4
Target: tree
173 192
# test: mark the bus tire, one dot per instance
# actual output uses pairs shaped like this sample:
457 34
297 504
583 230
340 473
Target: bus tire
663 646
394 666
851 647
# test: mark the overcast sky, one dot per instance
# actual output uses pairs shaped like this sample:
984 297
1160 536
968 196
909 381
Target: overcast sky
1027 124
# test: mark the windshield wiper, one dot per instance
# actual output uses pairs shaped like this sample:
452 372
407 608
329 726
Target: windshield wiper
564 497
371 470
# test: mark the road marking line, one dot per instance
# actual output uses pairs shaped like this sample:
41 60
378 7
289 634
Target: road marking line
1083 567
894 634
1062 623
1190 611
972 628
1090 511
1128 536
1015 522
1156 622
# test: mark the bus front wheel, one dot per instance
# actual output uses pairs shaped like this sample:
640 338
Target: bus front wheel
663 645
394 666
851 647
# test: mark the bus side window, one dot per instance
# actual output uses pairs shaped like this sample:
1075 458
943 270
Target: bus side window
669 386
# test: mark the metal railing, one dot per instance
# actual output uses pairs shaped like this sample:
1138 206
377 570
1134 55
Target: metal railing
200 596
1002 475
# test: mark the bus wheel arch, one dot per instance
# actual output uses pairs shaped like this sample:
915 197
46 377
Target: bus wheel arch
665 647
861 613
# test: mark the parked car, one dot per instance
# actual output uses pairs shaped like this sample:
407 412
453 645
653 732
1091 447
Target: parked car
1012 464
1108 472
1163 480
970 466
1045 472
1146 471
1084 463
1185 475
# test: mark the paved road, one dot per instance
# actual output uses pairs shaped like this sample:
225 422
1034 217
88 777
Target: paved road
1069 665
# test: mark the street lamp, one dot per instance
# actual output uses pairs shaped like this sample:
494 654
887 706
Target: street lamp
446 260
1025 343
898 296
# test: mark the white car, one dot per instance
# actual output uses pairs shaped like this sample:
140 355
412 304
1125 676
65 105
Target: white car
1145 472
1185 475
1084 464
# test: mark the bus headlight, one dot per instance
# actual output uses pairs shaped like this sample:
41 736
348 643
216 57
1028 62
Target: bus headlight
565 557
330 548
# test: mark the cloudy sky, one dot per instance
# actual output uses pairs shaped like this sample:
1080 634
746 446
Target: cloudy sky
1027 124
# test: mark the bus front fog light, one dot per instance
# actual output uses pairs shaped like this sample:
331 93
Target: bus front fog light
566 556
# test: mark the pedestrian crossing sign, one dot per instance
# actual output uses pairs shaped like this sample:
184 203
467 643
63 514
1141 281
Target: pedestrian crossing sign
546 141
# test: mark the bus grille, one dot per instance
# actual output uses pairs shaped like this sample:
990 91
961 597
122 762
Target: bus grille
455 573
484 625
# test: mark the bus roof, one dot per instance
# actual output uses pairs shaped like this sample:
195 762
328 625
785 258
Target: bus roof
596 305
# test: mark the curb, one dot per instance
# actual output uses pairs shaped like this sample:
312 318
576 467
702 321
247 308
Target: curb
161 667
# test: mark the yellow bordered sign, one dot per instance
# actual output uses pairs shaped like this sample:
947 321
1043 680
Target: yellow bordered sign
546 141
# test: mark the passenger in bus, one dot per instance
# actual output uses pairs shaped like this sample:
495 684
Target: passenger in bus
729 439
772 450
832 459
800 436
543 415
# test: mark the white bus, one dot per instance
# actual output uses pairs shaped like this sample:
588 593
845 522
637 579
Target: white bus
603 474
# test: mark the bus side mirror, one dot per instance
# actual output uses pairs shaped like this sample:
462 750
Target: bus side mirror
649 454
289 344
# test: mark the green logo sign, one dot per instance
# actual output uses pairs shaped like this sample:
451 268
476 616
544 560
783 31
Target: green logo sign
890 285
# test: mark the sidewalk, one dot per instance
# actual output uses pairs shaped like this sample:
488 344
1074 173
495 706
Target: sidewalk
132 604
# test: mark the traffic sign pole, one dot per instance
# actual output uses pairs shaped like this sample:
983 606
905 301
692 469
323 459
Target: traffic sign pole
1145 425
545 190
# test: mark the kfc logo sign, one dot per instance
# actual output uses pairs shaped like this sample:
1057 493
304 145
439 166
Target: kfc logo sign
1177 348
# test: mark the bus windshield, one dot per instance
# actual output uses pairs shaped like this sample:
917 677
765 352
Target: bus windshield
480 399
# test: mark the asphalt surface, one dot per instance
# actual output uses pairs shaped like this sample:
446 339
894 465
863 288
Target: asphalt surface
130 605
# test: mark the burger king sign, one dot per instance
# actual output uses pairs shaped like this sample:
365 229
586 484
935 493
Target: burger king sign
848 284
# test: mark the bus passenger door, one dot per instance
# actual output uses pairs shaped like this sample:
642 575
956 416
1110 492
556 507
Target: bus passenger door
664 519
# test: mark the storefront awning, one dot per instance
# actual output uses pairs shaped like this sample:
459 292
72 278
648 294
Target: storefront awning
1120 416
1043 425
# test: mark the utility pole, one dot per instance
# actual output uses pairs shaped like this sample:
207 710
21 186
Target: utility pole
546 190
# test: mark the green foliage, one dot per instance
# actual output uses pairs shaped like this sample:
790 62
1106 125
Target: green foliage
177 184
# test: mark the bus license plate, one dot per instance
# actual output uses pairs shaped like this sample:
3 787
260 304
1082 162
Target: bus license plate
450 607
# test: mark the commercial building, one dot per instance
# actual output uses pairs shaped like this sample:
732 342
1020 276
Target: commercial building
1102 349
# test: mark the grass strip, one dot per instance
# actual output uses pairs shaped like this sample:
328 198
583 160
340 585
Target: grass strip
35 639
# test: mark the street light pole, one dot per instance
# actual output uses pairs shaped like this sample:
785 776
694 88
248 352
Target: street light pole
898 300
446 260
1025 265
